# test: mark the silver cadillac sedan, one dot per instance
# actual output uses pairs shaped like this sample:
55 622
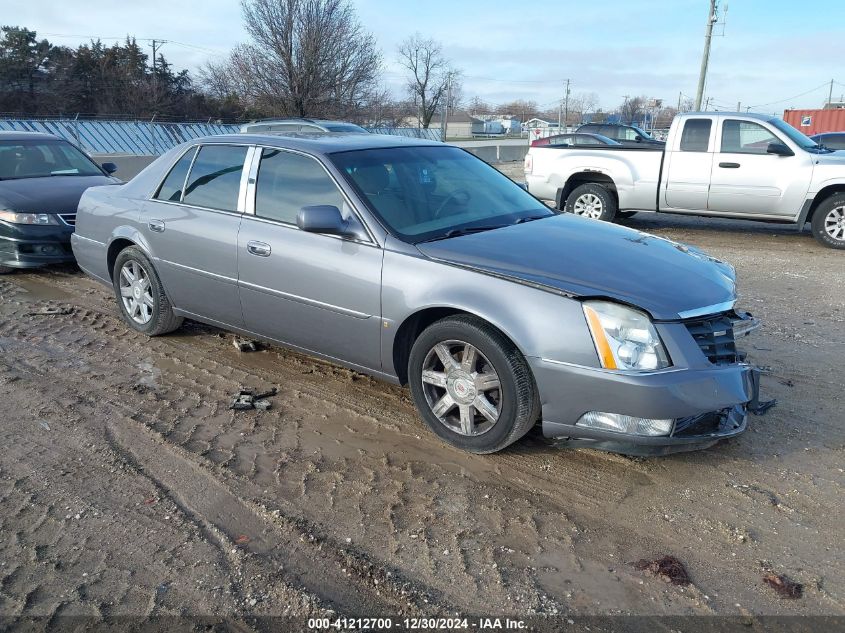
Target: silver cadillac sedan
420 264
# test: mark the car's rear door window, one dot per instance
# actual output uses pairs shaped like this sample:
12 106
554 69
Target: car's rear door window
288 181
215 178
696 135
171 188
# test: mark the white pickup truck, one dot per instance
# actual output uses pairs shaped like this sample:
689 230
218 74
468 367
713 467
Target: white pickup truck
719 164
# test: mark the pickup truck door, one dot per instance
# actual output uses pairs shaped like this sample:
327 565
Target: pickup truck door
319 293
747 180
688 162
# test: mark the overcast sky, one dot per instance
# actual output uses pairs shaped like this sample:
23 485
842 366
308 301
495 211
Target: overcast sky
774 53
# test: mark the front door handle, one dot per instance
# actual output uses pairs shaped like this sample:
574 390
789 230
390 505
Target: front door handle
729 165
258 248
156 225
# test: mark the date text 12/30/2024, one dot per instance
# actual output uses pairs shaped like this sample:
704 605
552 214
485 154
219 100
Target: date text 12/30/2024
415 624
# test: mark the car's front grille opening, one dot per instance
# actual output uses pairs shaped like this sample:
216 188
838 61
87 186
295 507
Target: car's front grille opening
715 337
68 218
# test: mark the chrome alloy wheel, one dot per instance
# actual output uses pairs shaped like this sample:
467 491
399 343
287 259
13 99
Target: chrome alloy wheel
834 223
589 205
462 388
136 292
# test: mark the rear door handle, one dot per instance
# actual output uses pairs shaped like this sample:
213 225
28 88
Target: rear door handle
729 165
156 225
258 248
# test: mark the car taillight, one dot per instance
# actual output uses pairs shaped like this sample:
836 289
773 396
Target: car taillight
528 166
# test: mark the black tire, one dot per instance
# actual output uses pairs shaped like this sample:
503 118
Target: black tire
162 319
608 209
5 270
831 210
518 400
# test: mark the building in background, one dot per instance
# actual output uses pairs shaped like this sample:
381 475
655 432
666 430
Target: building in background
816 121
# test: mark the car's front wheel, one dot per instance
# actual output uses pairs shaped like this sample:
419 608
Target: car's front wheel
828 223
140 295
471 385
591 201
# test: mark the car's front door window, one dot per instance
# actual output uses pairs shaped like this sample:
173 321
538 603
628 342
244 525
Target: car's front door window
288 181
745 137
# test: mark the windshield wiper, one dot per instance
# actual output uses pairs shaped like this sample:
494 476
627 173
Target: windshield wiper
532 217
465 231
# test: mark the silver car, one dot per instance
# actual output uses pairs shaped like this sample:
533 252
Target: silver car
417 263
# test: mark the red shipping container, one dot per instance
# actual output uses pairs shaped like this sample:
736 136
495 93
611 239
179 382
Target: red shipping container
816 121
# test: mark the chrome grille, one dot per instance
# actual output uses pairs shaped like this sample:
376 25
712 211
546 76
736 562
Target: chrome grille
68 218
715 337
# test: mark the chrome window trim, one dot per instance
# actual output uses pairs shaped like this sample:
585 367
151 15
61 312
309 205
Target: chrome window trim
246 170
707 310
355 211
160 184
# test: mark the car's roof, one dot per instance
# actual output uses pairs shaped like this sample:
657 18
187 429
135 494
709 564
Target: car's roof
18 135
327 143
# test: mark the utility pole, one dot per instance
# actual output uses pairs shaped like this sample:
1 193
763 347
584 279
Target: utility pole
830 94
739 106
624 105
448 101
707 104
566 110
705 58
680 94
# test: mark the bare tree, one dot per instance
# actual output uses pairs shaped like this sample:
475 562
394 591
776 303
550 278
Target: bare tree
305 58
633 109
430 73
581 103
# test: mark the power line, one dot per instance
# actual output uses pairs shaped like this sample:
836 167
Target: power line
762 105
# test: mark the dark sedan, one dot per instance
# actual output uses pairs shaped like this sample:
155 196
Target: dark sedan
42 178
575 138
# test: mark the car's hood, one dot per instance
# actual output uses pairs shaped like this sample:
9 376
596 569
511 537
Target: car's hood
588 258
53 194
836 158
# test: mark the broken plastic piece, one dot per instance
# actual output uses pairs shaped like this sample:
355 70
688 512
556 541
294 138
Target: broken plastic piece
244 345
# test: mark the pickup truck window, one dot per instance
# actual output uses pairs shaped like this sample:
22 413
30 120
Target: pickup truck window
696 135
745 137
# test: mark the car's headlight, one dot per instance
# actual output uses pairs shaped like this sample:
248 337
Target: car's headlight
625 338
28 218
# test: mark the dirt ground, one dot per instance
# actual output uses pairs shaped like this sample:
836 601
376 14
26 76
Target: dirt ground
127 486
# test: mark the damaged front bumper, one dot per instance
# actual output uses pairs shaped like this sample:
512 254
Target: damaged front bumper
699 407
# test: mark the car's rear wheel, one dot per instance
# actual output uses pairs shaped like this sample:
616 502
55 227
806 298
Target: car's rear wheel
828 223
591 201
140 295
471 385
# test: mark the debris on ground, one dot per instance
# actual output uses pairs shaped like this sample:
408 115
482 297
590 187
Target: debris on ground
785 586
668 568
245 345
50 311
247 398
760 408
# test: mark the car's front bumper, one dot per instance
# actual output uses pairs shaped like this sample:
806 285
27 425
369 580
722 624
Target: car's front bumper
30 246
707 405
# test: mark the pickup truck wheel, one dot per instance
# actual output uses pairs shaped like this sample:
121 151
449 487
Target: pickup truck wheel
140 295
471 385
591 201
828 223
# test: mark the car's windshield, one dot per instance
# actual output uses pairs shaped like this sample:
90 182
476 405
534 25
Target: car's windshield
41 158
800 139
425 193
642 133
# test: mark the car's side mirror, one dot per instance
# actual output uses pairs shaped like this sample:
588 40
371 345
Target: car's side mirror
109 168
638 138
324 218
780 149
